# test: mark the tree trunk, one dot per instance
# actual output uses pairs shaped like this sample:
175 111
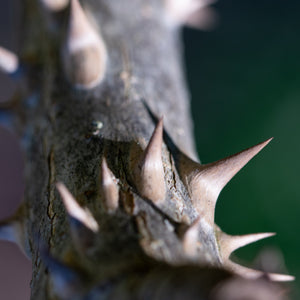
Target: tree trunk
144 227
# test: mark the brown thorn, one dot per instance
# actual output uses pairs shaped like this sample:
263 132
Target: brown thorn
205 182
75 210
229 243
110 188
180 12
150 172
84 52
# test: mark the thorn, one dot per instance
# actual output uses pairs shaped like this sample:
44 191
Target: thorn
205 19
190 238
205 182
110 188
230 243
9 62
150 170
255 274
75 210
55 5
270 259
193 13
238 288
82 223
84 52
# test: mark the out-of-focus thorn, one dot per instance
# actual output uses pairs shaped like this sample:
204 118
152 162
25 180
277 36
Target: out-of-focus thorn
229 243
150 172
75 211
205 182
239 288
84 53
270 259
109 188
194 13
255 274
204 19
9 62
55 5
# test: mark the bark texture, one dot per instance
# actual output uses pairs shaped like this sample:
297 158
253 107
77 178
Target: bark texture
143 249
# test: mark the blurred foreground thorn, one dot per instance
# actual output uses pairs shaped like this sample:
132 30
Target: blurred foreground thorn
55 5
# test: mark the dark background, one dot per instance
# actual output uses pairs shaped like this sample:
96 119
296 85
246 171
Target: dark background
244 78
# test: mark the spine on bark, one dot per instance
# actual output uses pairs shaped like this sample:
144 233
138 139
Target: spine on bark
137 219
84 53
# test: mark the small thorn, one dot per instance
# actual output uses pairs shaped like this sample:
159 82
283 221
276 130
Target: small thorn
150 170
255 274
205 182
9 62
75 210
230 243
110 188
55 5
84 52
190 238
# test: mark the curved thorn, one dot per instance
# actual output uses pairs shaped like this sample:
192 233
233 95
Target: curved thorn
230 243
205 182
75 210
9 62
150 171
110 188
84 53
255 274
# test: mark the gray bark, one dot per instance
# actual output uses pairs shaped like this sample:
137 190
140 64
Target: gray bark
137 253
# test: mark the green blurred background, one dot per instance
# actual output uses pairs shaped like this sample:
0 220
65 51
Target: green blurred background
244 79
